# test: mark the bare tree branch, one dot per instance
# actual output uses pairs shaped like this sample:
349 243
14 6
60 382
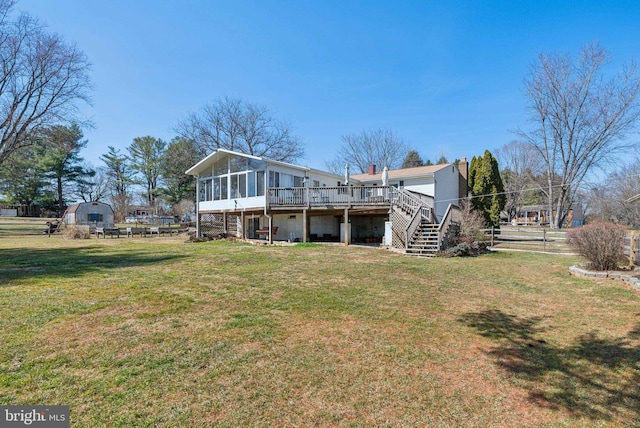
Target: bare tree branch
42 79
380 147
234 124
580 119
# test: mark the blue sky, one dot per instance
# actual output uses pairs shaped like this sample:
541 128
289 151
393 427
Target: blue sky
446 76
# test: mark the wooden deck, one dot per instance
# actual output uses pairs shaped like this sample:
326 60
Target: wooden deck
331 197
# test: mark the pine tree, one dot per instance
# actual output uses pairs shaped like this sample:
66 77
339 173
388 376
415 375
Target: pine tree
59 157
412 160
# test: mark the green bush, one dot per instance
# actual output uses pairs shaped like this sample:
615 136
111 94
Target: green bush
600 243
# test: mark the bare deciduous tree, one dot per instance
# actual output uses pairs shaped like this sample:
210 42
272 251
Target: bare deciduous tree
520 164
94 189
579 119
471 222
234 124
42 79
607 201
380 147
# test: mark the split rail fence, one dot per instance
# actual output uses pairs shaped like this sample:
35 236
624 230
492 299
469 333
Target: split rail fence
551 241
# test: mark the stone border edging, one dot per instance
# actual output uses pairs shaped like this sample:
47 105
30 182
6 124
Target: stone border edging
634 281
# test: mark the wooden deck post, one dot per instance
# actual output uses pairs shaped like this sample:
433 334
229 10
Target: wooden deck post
242 235
305 226
270 231
347 229
224 223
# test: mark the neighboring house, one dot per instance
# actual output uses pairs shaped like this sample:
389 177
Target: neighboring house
538 215
93 214
253 197
146 215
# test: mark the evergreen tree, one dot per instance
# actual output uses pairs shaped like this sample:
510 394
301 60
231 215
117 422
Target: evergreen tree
180 155
442 160
486 187
146 156
22 180
412 160
59 155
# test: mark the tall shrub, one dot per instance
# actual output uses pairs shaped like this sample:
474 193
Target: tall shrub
600 243
487 188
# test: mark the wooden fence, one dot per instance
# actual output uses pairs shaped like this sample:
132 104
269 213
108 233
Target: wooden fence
527 239
546 240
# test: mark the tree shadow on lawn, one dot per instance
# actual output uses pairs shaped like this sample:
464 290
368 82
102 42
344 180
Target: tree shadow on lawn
594 377
17 264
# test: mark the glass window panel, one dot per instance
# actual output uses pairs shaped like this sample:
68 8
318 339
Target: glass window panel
221 167
274 179
224 194
238 164
234 186
251 181
242 185
256 165
209 196
216 189
260 183
297 181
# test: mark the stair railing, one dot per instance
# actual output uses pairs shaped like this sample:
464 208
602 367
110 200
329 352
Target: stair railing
452 215
416 210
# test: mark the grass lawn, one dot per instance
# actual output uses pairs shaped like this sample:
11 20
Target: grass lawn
158 332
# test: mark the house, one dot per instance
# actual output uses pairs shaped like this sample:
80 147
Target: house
148 215
441 180
93 214
538 215
258 198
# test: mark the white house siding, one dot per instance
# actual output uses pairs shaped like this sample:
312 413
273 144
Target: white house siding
324 225
322 180
420 185
446 186
289 226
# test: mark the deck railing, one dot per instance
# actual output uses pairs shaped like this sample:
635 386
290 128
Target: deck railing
338 197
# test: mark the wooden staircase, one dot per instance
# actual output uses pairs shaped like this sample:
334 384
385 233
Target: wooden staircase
415 226
424 242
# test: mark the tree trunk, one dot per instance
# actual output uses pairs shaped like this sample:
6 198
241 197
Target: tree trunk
60 202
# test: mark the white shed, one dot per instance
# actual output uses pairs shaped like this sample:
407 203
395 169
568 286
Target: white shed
96 214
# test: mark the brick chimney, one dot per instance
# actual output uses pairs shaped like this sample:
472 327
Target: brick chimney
463 179
372 170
